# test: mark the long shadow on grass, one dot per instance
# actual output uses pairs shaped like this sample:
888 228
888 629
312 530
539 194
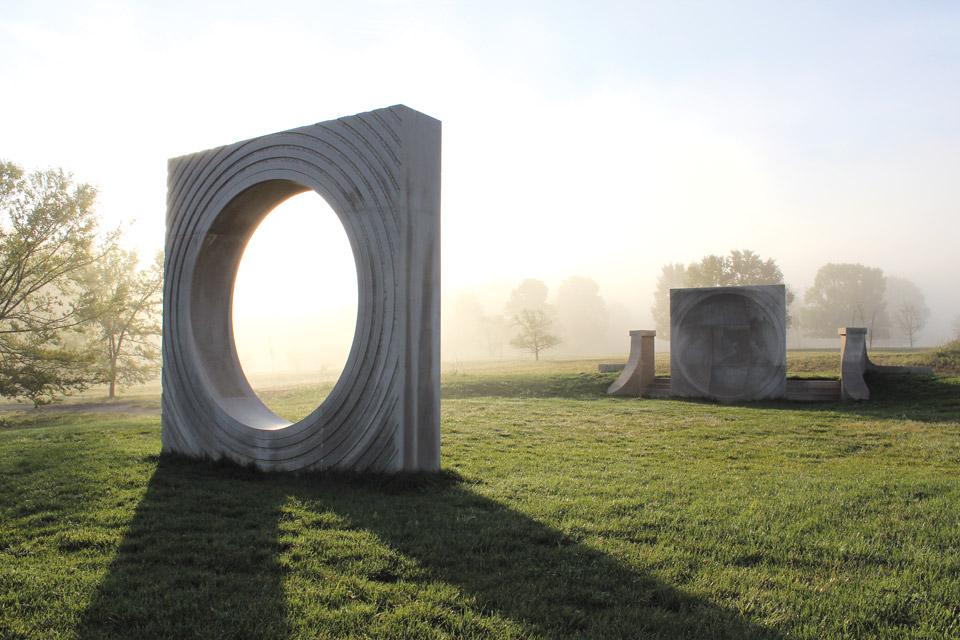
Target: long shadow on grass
917 397
197 561
910 396
202 558
545 581
905 396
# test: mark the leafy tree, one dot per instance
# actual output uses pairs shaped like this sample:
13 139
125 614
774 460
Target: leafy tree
123 305
740 268
908 307
955 327
534 335
528 312
582 314
530 295
672 276
846 295
48 233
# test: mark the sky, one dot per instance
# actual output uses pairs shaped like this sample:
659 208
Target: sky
599 139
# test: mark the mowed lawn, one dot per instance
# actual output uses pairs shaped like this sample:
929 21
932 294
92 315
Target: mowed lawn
559 513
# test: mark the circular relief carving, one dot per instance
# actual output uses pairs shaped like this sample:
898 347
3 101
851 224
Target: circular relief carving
728 344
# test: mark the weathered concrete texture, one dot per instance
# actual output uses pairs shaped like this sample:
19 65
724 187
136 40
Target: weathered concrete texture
380 172
854 363
728 343
639 373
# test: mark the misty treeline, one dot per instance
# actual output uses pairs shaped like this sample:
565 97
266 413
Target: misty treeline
892 309
76 309
575 319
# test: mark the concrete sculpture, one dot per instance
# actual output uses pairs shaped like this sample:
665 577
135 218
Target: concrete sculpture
728 343
638 374
854 363
380 172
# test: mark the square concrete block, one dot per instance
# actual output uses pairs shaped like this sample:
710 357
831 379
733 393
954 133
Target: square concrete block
728 343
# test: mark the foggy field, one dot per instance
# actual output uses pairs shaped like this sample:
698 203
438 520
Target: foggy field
560 513
550 178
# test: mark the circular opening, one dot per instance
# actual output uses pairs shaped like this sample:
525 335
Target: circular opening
295 305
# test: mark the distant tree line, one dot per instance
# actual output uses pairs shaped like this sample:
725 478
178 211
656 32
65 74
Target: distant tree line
576 320
842 295
75 309
740 268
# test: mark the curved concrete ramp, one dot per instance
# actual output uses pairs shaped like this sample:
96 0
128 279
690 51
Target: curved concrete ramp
854 362
638 375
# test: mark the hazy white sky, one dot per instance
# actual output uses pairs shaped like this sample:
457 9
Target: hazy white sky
601 139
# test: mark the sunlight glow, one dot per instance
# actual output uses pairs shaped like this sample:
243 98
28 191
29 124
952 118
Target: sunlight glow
295 297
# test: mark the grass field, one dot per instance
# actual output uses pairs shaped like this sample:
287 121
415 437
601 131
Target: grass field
559 513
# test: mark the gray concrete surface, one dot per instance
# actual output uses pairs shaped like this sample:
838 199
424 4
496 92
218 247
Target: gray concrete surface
728 343
639 373
380 173
854 363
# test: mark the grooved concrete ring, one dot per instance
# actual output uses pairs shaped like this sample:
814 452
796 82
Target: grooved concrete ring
379 171
728 343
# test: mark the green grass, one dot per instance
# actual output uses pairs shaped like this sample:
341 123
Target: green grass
559 513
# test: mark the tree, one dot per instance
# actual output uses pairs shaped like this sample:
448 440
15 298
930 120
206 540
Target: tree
48 234
534 336
955 327
672 276
908 307
123 306
528 312
582 314
492 329
739 269
846 295
530 295
910 319
795 315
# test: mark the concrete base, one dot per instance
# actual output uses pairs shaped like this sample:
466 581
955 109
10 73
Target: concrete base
854 363
638 374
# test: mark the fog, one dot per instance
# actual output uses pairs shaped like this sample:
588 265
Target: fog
295 296
295 305
597 140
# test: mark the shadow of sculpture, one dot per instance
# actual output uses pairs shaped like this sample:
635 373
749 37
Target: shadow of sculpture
192 564
907 396
193 560
547 582
855 364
